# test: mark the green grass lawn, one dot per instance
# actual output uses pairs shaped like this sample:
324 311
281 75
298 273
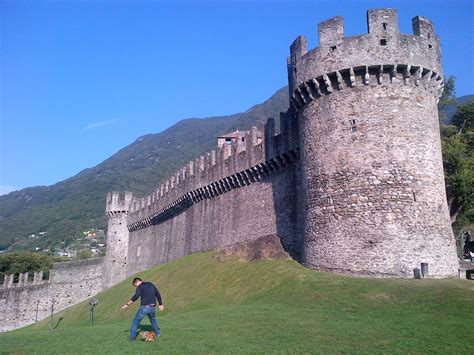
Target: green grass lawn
267 306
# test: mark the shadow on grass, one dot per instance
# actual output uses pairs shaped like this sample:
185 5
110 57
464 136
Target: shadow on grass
141 328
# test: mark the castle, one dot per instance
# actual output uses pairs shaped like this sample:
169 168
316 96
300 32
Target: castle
352 183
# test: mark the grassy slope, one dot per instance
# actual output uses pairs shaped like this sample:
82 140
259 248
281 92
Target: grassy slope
268 306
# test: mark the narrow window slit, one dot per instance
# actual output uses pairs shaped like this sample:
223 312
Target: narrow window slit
414 197
353 125
384 25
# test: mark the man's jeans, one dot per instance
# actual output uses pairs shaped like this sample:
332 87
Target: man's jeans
142 312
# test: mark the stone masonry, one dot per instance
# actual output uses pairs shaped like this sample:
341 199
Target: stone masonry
353 183
238 192
26 301
371 153
115 263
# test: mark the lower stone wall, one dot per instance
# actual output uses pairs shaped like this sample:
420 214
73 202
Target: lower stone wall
244 214
69 283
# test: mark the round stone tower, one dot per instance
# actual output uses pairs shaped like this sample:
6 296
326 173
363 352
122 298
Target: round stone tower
373 180
115 264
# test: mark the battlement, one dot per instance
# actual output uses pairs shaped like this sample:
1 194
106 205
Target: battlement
23 279
243 161
382 23
237 136
118 203
382 45
422 27
331 32
26 298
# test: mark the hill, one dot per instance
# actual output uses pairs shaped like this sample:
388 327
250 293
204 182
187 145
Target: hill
64 210
218 303
450 110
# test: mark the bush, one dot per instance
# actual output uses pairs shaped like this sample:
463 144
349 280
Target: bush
21 262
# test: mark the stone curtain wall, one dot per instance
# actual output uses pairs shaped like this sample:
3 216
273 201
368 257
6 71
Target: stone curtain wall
371 154
69 283
238 193
240 215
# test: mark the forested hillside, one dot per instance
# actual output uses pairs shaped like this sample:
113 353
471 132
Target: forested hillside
64 210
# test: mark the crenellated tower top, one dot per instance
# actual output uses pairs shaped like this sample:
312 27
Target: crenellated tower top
118 202
383 48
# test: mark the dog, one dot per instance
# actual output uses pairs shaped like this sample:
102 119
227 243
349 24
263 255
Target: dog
148 335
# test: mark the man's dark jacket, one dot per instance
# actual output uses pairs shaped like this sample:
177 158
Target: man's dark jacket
148 293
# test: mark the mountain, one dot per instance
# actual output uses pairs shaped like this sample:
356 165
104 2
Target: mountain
64 210
450 110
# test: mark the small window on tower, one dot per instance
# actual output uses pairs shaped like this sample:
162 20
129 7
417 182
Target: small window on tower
383 42
384 25
333 48
353 125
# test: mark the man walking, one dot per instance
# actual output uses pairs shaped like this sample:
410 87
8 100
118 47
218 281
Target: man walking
148 296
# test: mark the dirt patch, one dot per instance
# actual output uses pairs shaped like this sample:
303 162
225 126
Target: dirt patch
265 248
378 296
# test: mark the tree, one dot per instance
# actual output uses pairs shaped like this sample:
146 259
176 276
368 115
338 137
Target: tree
464 117
20 262
84 254
447 98
458 161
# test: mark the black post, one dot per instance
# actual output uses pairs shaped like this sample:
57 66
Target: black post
52 311
37 306
92 303
424 269
91 314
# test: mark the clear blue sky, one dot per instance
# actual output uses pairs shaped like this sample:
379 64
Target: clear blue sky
80 80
